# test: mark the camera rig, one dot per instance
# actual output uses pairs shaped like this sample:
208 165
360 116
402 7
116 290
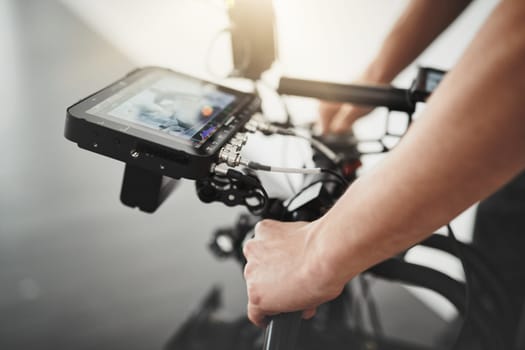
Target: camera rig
228 178
480 300
223 174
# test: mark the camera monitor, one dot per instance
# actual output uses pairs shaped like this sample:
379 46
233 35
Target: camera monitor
161 121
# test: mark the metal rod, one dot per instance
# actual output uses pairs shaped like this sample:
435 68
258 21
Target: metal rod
386 96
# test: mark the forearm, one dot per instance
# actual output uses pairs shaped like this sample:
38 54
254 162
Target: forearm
421 22
469 141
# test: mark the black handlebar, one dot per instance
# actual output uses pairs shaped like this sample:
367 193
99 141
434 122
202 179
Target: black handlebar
385 96
282 332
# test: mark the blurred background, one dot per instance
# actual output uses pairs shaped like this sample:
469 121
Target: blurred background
79 270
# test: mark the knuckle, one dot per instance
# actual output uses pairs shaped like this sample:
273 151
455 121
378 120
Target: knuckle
308 314
262 225
265 227
332 293
247 271
348 118
254 295
253 316
247 249
259 229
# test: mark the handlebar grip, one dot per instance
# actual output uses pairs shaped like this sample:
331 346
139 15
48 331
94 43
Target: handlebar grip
370 95
282 331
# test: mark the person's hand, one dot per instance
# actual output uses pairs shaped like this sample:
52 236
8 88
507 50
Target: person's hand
337 118
285 271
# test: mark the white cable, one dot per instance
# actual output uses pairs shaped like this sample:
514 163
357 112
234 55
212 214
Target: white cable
276 169
321 147
295 170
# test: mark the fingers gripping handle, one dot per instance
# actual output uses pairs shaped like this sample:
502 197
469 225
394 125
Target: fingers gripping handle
283 331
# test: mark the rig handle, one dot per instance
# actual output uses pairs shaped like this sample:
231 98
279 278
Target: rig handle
283 331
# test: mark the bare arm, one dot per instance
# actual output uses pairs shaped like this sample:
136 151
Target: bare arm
469 141
421 22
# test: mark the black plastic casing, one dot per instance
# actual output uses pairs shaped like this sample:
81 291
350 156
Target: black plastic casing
369 95
427 80
179 161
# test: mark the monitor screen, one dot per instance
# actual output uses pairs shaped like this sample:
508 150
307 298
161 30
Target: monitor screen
184 107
